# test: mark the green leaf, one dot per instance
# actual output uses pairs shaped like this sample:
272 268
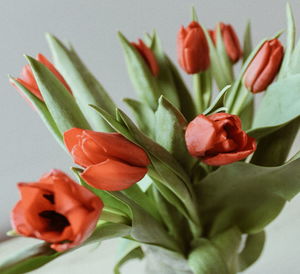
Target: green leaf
145 228
42 111
187 105
38 255
251 252
246 196
247 48
160 260
143 115
291 36
59 101
280 105
224 58
141 198
164 78
116 125
294 63
273 149
169 132
140 74
85 87
128 250
218 101
216 65
228 244
206 258
109 200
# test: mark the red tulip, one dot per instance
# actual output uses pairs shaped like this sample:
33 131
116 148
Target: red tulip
112 162
148 56
27 78
218 139
264 66
57 210
231 41
192 49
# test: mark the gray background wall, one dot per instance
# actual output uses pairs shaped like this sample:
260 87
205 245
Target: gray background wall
28 150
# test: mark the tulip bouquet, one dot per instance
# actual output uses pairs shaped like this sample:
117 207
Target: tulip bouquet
190 184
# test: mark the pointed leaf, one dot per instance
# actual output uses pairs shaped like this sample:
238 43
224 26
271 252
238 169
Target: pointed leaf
187 105
59 101
169 132
86 89
42 111
251 252
140 74
258 197
164 78
206 258
291 36
143 115
247 48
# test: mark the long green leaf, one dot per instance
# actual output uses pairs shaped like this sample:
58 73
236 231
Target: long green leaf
59 101
252 250
280 105
246 196
206 258
247 47
187 105
143 114
86 89
169 132
140 74
42 111
291 36
164 78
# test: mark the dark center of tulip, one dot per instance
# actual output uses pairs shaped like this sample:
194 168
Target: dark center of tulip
49 197
56 221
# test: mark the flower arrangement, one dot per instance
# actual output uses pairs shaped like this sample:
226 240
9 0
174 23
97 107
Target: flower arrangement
192 183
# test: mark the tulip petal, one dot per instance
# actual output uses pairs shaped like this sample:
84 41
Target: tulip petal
113 175
18 221
117 147
200 135
71 137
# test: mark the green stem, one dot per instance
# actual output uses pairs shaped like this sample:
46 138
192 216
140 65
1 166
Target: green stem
109 216
203 90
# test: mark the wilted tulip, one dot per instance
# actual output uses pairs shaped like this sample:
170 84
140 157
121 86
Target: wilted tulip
192 49
218 139
57 210
112 162
27 78
231 41
264 66
148 56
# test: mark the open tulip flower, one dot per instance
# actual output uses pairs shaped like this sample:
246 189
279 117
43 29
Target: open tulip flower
192 182
57 210
218 139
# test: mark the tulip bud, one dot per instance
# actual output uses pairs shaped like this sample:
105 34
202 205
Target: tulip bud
148 56
264 66
27 78
111 162
192 49
231 41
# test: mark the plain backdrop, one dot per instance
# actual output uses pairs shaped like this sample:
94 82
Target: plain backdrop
28 150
